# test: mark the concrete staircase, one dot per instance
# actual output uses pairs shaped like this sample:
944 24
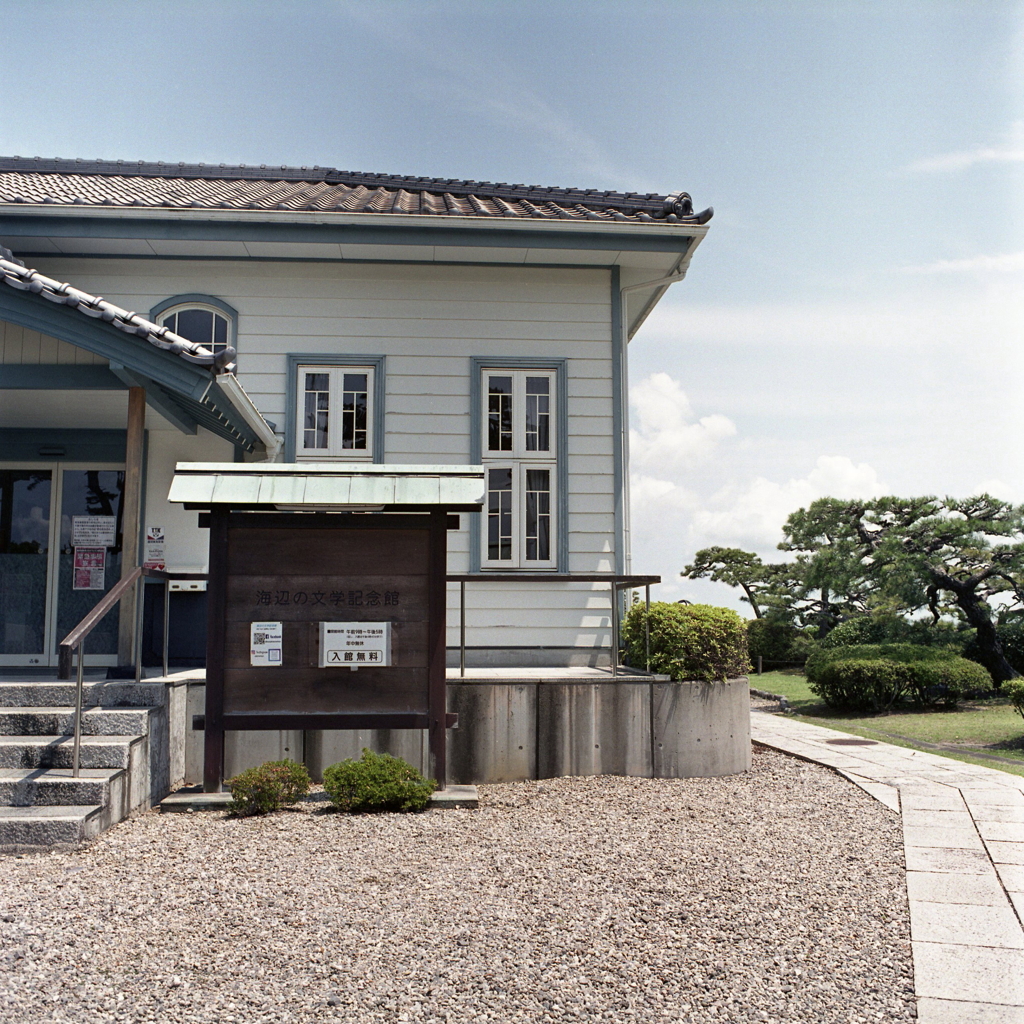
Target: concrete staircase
127 762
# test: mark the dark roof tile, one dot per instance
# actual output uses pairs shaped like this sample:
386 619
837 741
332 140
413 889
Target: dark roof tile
203 186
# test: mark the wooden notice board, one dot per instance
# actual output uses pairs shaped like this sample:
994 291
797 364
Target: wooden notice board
275 578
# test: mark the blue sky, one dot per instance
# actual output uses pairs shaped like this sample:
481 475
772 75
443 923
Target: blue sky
853 322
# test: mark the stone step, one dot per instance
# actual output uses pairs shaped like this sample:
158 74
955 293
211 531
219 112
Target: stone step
58 751
51 787
60 721
104 693
37 828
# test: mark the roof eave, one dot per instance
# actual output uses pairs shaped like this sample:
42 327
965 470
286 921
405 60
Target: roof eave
336 217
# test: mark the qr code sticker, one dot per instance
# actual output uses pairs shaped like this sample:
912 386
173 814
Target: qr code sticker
260 638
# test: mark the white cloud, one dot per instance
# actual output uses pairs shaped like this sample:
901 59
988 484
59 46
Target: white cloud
999 489
1011 151
1006 263
951 318
752 514
667 437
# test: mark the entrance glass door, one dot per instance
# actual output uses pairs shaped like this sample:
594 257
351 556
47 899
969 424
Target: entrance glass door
25 543
60 552
89 560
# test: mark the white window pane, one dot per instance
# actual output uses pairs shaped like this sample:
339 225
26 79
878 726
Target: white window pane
315 432
499 514
499 414
538 414
197 326
354 405
538 515
220 334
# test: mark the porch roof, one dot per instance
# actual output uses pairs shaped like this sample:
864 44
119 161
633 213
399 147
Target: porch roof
187 383
328 486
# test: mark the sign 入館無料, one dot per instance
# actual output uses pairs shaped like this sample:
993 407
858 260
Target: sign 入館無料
355 644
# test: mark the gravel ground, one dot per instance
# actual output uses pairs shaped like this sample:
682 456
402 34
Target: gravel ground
777 895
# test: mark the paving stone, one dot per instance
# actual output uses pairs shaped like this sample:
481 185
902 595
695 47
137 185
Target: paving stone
968 862
931 799
1006 853
1001 831
1000 797
992 813
946 838
949 1011
932 818
1012 876
1017 898
943 887
966 925
970 973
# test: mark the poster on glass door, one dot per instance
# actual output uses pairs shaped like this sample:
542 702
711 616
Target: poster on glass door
93 531
89 568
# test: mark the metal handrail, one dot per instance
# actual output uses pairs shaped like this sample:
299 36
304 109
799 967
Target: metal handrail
136 578
617 582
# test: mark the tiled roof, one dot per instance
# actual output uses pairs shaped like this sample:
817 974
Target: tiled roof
35 181
15 274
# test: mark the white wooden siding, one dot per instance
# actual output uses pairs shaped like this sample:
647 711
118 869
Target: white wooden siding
21 346
427 321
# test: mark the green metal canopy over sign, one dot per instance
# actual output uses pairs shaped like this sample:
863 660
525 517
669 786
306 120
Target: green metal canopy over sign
321 614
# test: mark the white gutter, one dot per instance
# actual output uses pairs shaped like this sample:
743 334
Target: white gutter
246 408
491 223
659 285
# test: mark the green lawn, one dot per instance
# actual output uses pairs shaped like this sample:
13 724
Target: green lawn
989 726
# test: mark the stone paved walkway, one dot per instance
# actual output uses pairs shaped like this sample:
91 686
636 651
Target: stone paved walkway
963 835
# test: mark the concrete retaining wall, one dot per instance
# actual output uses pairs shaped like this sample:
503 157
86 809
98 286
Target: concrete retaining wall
514 730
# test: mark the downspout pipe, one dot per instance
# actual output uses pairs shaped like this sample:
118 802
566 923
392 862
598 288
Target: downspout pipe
244 405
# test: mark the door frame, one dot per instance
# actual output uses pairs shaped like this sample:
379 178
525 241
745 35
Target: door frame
49 656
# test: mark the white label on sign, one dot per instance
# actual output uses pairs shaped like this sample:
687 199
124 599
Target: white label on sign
355 644
93 531
154 553
266 644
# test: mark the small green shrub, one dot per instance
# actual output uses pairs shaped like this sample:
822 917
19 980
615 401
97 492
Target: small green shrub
688 641
377 782
774 640
876 676
267 787
862 684
1014 690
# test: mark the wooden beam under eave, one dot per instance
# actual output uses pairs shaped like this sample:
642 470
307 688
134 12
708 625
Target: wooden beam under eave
130 521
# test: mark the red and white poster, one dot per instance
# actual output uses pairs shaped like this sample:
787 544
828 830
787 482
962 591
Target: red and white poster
90 568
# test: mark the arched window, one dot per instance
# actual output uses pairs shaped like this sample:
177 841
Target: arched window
201 318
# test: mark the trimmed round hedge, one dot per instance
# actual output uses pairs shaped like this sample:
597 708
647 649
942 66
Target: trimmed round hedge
870 629
688 641
874 677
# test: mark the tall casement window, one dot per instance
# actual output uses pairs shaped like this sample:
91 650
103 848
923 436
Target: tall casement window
520 459
335 412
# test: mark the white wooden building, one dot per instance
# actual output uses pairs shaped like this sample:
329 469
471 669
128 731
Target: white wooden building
332 316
